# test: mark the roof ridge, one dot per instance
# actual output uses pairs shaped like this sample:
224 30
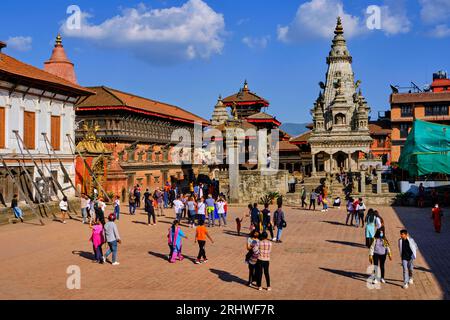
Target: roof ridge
64 83
107 89
152 100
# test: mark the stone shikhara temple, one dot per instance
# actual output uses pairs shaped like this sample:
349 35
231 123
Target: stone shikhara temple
340 114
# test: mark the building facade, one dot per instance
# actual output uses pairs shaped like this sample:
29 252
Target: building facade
340 114
138 133
33 102
432 106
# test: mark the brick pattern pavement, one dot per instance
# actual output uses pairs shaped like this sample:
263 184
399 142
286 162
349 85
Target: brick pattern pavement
320 258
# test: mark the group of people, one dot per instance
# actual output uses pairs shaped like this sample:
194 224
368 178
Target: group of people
319 197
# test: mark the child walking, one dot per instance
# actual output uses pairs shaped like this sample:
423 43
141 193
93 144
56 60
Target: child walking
117 207
64 207
201 234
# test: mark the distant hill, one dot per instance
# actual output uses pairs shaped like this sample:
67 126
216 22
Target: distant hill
294 129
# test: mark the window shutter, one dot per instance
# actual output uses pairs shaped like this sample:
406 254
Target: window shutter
56 132
2 127
29 130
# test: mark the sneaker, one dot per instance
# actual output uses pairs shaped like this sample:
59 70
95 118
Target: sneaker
383 281
260 289
411 281
64 222
115 263
269 289
405 286
197 261
205 261
104 259
375 281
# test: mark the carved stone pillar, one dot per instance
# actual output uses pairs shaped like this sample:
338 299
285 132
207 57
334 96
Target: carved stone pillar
379 170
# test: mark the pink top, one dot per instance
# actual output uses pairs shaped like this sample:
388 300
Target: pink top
97 237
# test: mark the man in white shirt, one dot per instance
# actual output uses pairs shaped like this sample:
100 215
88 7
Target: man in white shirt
178 207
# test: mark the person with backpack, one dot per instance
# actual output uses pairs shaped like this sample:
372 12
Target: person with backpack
137 194
132 203
279 222
251 258
113 239
360 210
254 217
370 227
379 250
210 208
99 206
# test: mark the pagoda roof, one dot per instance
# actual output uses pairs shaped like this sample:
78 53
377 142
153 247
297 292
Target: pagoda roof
301 139
245 97
284 145
262 117
28 74
112 99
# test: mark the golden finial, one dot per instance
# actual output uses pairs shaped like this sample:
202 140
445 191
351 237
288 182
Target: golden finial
58 41
245 85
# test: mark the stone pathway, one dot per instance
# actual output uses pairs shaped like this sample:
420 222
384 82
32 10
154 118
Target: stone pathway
320 259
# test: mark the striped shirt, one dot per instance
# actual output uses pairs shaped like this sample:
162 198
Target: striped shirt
265 247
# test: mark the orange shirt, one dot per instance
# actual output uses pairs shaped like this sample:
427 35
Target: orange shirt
201 233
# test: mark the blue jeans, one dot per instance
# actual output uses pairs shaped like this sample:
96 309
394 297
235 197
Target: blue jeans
117 212
112 249
279 232
166 200
84 214
222 216
408 268
179 215
132 208
356 219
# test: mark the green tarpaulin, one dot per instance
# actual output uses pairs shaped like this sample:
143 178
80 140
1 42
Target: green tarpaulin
426 149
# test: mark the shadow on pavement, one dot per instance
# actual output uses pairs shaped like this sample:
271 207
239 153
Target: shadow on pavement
85 254
234 233
336 223
353 275
228 277
166 256
346 243
432 246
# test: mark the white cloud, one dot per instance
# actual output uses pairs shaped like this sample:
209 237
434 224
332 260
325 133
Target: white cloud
169 35
317 19
20 43
394 21
435 11
256 43
440 31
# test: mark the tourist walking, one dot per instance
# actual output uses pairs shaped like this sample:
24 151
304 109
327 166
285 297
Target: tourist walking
210 208
408 253
84 203
263 262
159 195
436 215
312 199
303 198
251 258
132 203
221 211
113 239
370 227
137 194
325 204
175 240
279 222
99 207
421 200
360 210
191 205
254 217
379 250
15 208
97 239
201 210
150 210
201 233
178 206
64 207
117 207
350 212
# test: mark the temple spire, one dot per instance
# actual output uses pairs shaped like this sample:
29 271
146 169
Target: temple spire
59 64
339 28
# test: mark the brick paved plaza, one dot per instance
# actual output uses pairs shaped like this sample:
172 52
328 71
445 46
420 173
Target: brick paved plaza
319 259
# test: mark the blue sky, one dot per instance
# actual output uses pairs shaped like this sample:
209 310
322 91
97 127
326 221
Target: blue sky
187 52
